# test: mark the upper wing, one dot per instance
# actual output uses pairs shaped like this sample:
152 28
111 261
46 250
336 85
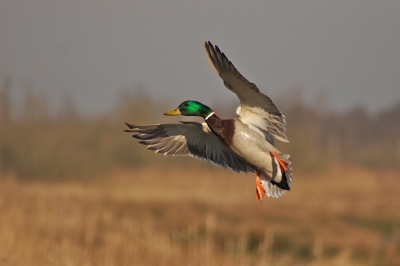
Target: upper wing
188 139
256 109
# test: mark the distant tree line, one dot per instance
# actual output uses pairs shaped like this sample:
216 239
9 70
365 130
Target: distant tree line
36 144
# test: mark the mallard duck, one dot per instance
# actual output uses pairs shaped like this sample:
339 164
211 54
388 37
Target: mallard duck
244 143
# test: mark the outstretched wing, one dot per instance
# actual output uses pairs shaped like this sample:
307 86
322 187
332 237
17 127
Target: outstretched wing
256 109
188 139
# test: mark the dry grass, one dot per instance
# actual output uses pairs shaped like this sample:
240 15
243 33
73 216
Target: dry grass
201 217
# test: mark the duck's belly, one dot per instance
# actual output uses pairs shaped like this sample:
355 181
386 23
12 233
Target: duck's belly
257 151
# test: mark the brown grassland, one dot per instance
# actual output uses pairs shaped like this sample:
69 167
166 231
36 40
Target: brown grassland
201 216
79 191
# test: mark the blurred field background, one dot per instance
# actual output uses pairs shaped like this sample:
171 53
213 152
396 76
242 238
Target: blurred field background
79 191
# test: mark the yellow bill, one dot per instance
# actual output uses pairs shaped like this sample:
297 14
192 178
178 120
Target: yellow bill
173 112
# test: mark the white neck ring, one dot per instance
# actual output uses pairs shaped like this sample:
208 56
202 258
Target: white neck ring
212 113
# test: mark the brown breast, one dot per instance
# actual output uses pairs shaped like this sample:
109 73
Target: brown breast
223 128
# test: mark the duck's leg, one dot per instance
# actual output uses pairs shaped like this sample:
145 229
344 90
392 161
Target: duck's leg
260 190
283 164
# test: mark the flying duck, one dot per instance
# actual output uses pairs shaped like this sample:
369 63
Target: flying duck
244 143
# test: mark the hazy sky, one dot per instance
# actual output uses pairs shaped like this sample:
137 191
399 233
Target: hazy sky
91 50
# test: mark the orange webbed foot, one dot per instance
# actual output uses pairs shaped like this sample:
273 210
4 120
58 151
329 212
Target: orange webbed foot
283 164
260 190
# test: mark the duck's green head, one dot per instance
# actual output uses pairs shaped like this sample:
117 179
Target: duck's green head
191 108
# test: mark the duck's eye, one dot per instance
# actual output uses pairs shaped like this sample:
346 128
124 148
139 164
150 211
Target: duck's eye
186 105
